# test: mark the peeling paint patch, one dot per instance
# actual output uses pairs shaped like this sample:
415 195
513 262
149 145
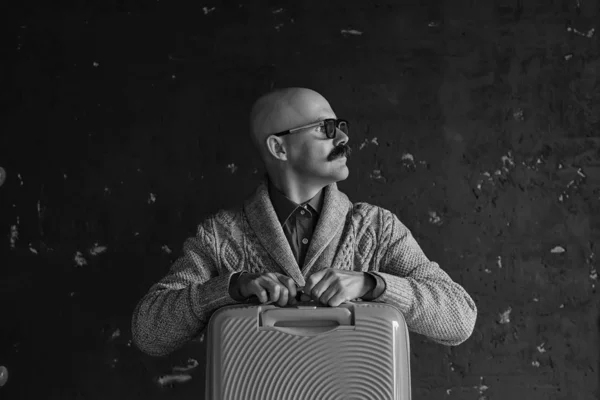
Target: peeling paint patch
481 387
354 32
97 249
278 11
535 364
366 142
499 261
32 249
79 260
377 175
486 177
166 249
568 56
278 27
434 218
2 176
152 198
232 167
173 378
507 160
95 64
593 274
115 334
408 157
541 348
208 10
557 250
518 114
14 235
191 364
588 34
504 318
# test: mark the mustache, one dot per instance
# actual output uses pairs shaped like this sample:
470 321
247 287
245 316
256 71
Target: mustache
341 151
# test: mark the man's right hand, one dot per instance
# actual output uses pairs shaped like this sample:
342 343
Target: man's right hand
269 287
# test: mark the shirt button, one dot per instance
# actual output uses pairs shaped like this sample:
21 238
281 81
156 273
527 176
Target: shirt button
305 240
302 212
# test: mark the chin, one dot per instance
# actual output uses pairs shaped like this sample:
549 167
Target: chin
340 175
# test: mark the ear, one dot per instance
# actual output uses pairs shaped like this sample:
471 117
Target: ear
276 148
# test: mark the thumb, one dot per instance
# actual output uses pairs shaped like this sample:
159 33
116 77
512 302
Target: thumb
305 297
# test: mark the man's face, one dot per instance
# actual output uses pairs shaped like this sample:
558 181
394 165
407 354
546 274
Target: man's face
315 158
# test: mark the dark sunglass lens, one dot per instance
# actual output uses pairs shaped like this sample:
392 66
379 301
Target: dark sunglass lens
330 128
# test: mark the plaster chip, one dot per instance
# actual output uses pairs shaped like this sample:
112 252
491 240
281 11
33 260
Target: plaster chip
173 378
557 250
505 316
97 249
79 260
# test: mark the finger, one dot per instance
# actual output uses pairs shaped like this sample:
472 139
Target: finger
291 287
273 288
337 299
305 297
283 296
328 294
260 293
321 287
314 279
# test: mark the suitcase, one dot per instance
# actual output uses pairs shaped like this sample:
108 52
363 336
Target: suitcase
359 350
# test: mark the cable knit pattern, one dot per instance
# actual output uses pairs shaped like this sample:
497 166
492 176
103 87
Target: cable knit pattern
359 237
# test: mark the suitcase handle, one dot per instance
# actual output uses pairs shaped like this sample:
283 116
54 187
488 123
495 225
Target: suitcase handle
306 322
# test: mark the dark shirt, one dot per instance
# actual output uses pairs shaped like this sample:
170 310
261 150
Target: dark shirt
298 222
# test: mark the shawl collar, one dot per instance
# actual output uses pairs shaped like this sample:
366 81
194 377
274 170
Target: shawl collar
263 220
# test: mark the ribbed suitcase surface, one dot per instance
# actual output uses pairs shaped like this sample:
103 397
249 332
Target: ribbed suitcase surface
359 350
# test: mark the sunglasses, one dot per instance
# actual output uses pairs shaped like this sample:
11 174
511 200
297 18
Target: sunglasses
329 124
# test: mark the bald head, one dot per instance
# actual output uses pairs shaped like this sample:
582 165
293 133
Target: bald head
285 109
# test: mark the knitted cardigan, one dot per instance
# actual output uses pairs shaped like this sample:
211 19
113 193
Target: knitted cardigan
350 236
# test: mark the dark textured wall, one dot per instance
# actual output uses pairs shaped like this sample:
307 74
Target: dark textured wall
125 124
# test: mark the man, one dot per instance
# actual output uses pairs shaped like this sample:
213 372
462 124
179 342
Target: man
298 230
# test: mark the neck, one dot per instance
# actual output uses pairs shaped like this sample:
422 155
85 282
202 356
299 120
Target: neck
297 191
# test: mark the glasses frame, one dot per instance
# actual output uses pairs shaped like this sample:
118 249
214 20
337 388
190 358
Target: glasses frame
319 123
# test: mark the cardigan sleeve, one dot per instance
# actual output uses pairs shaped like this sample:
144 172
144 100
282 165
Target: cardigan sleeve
178 307
431 302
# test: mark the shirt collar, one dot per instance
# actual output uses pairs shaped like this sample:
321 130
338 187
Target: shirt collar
284 207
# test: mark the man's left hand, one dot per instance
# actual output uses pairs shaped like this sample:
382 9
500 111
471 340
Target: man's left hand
332 286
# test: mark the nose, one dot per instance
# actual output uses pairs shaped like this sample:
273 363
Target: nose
340 137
